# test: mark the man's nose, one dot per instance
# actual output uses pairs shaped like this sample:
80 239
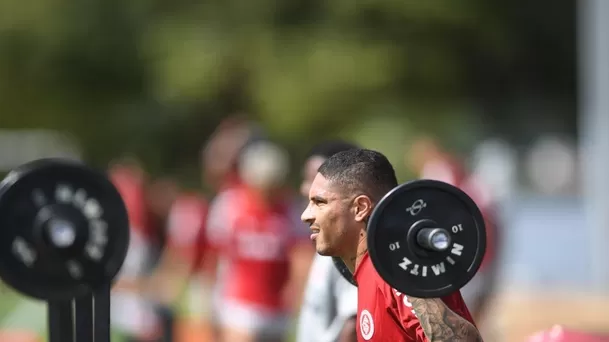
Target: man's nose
307 215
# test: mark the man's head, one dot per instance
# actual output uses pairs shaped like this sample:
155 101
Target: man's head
346 188
264 166
220 155
317 156
160 195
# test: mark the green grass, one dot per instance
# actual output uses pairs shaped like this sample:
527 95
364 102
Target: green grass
8 301
22 313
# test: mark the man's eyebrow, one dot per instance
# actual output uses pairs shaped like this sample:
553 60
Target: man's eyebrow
318 199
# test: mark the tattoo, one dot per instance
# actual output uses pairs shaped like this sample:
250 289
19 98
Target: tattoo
359 255
441 324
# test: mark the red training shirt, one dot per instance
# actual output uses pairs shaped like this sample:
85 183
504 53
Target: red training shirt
186 228
384 314
253 239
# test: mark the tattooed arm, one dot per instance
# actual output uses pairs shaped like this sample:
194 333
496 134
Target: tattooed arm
441 324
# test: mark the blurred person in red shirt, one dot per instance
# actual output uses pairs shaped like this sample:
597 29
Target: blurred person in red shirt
182 256
147 205
343 194
185 246
253 227
220 171
430 161
131 313
161 194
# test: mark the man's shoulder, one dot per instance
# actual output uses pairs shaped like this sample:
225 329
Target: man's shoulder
454 300
455 303
224 200
366 273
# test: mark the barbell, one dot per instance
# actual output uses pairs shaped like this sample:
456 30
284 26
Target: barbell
64 234
426 239
64 229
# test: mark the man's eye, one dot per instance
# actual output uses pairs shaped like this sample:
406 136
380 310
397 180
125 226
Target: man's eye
317 202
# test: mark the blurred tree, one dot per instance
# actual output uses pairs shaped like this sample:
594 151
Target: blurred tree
153 77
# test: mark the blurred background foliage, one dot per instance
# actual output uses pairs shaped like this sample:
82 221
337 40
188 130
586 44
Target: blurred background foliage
154 77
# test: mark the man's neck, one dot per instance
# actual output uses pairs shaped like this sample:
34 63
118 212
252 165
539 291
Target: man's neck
362 247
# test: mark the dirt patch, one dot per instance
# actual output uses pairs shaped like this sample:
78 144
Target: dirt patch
513 316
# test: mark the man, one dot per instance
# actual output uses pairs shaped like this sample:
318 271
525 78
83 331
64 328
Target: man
344 192
160 195
330 305
133 313
181 258
220 172
253 231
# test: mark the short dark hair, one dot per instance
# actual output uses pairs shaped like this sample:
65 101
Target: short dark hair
329 148
361 170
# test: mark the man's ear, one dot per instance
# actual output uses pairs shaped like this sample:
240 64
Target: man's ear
362 206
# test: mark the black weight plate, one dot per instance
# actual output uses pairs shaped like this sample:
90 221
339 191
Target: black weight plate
343 270
32 266
426 274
